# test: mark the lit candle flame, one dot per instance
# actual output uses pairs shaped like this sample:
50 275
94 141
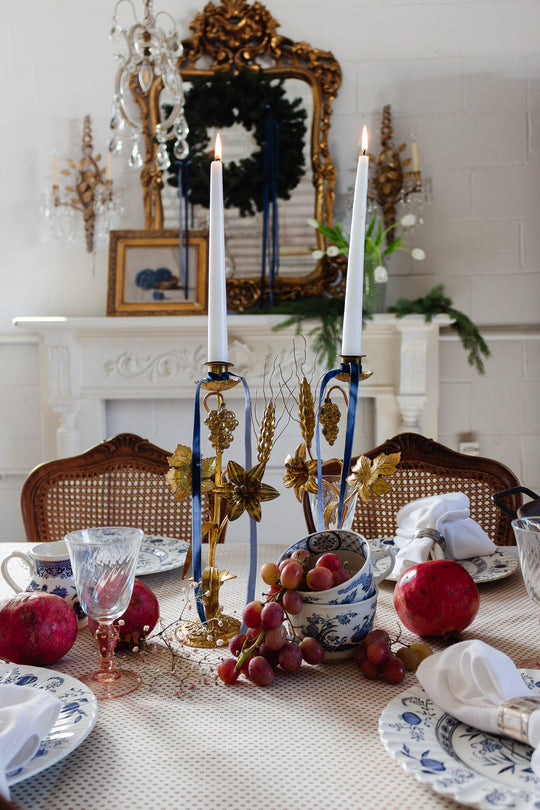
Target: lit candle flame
217 152
364 140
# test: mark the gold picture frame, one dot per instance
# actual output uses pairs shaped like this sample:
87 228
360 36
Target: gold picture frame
145 276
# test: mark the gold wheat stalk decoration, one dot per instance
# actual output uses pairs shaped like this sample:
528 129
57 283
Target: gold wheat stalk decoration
267 429
306 412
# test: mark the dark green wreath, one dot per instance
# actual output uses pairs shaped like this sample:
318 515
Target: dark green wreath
221 101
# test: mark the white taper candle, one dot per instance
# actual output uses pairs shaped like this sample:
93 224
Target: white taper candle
217 288
351 344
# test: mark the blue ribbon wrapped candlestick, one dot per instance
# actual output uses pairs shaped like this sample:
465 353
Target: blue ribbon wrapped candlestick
240 489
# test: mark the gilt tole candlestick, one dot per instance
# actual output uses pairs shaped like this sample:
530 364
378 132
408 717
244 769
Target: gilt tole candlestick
345 373
304 470
233 490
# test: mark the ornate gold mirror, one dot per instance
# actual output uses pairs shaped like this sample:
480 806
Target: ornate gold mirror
271 100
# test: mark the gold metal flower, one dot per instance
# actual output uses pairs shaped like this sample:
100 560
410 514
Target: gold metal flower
245 491
179 475
300 474
371 476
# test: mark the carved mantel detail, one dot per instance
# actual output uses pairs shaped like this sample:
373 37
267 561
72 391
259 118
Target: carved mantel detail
90 361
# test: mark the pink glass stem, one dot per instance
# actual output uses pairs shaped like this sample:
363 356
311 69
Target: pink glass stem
106 637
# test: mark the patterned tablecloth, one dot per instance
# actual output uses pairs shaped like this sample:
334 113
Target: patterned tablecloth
309 741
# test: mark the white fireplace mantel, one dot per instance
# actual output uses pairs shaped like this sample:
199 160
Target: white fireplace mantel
86 362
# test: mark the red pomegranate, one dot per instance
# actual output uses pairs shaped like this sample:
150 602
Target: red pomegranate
36 628
142 612
436 598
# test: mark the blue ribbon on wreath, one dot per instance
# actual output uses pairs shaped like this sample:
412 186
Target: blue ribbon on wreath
196 515
270 248
183 222
354 369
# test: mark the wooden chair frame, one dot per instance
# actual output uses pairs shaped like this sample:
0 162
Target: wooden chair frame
430 468
119 482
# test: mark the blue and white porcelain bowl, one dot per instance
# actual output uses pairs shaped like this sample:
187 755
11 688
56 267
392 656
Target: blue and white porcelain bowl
339 628
354 549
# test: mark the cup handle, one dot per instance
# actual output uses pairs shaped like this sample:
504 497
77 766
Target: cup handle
385 553
7 576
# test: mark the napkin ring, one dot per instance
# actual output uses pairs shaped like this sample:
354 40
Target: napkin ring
513 717
435 536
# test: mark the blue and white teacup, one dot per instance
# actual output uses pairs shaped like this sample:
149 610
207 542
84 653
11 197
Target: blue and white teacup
339 628
367 566
50 570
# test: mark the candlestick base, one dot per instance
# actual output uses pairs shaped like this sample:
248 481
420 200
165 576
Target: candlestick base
345 375
216 632
221 368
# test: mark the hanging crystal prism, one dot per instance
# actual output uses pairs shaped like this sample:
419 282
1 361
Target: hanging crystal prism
115 145
180 149
116 116
135 159
181 128
162 157
146 76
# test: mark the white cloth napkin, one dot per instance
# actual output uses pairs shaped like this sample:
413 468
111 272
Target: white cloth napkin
26 717
449 515
470 680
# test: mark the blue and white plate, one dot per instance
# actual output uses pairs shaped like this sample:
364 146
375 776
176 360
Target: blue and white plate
160 554
463 763
494 566
74 723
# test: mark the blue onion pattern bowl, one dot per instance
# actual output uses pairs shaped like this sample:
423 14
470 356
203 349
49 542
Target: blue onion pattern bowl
352 548
339 628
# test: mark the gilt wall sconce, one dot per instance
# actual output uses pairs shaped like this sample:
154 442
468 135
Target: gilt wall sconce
394 182
90 193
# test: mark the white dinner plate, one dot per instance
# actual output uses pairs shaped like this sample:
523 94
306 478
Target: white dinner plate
75 721
463 763
160 554
494 566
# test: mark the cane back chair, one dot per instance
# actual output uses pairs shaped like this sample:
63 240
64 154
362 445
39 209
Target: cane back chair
120 482
429 468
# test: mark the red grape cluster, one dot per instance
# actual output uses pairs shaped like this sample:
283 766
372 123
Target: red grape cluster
375 659
266 644
325 572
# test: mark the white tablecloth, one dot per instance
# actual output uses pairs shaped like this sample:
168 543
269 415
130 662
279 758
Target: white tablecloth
308 741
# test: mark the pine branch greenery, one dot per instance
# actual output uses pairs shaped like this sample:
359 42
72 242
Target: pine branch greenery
326 334
436 302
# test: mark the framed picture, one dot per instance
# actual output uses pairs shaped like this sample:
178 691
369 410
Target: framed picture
148 275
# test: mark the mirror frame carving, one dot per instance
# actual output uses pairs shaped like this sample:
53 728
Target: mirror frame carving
237 35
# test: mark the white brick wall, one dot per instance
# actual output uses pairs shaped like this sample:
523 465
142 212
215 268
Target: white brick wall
464 75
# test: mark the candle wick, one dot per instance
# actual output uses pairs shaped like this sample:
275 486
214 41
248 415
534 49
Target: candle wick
364 151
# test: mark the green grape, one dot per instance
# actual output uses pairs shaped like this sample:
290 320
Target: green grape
409 657
421 649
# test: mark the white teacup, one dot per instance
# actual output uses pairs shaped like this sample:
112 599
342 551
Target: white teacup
50 570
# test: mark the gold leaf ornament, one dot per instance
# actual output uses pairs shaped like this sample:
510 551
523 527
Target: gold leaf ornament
179 475
371 476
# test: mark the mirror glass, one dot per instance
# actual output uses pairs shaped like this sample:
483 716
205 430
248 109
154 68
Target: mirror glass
247 162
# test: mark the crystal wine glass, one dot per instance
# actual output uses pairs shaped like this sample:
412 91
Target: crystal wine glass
104 562
527 532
